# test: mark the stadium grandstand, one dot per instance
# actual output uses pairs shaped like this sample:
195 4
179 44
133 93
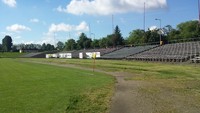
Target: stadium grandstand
127 51
178 52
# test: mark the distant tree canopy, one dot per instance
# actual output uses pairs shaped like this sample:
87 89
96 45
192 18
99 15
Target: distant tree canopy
136 36
117 38
185 30
95 43
7 43
60 45
188 29
70 44
83 42
47 47
0 47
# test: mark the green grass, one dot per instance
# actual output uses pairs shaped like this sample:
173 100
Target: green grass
11 54
143 69
38 88
165 88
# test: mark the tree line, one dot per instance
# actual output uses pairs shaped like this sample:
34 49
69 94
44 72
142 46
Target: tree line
183 31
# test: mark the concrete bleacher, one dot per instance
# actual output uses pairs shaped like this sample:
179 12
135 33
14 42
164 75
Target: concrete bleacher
179 52
127 51
30 55
75 54
38 54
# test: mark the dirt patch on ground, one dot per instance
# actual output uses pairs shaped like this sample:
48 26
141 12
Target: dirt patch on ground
125 99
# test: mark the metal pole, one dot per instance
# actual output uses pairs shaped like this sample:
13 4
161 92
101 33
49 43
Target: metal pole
199 11
160 28
93 54
144 16
112 23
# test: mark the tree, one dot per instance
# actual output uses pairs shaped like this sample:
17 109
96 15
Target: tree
60 45
136 37
95 43
50 47
14 48
70 44
43 48
152 36
174 35
0 47
106 42
7 43
117 37
188 29
84 42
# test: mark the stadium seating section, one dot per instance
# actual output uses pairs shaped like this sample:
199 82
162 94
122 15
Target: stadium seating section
127 51
179 52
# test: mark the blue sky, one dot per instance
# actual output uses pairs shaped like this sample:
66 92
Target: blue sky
49 21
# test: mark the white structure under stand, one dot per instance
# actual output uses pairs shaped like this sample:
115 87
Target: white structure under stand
52 55
20 51
65 55
90 54
81 55
59 55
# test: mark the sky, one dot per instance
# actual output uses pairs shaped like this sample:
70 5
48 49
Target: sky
50 21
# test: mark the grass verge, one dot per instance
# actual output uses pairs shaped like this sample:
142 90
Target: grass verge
38 88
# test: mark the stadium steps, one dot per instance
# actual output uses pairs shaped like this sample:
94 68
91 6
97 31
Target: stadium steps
126 51
179 52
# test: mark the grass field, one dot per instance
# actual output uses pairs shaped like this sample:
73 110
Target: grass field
166 88
11 54
144 70
31 87
38 88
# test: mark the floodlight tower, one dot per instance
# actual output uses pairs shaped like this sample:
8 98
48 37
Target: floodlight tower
199 10
112 23
93 38
144 15
160 28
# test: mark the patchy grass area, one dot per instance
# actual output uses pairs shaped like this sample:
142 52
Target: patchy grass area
11 54
164 88
39 88
144 70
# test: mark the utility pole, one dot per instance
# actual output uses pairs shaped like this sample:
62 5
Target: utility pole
160 29
199 10
144 16
112 23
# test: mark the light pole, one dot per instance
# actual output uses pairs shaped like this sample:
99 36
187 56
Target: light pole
94 53
93 38
160 29
199 11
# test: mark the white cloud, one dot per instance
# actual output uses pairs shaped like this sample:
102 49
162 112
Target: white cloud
107 7
152 28
34 20
82 27
17 37
62 27
10 3
18 28
48 38
60 9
